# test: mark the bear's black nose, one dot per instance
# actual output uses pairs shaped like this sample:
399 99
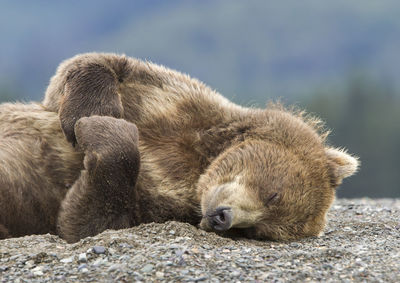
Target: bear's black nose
221 219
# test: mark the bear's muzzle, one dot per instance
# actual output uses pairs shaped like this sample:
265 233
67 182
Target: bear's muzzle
218 220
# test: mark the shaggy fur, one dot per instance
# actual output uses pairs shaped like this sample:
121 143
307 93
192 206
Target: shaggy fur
157 145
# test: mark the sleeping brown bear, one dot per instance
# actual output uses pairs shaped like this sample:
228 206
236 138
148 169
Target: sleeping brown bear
118 142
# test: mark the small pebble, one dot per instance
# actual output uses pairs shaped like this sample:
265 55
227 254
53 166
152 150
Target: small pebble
115 266
29 263
184 271
67 259
82 257
99 262
179 252
82 266
175 246
83 269
235 273
202 278
99 249
147 268
138 275
37 271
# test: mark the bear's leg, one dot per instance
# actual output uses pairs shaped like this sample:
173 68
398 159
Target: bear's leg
103 195
91 88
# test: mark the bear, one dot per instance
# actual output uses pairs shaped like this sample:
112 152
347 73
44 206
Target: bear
117 142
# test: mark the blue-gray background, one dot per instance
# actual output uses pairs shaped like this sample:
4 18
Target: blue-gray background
338 59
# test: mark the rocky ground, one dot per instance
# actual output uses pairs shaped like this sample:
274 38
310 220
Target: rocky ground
360 243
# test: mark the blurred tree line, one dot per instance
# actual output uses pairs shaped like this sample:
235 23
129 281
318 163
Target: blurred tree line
364 118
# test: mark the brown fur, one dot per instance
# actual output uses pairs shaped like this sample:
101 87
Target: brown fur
269 170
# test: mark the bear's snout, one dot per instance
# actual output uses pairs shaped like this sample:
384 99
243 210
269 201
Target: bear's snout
220 219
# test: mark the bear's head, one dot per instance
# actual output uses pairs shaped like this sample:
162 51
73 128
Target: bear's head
278 183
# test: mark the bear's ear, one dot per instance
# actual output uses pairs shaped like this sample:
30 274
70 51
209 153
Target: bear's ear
342 164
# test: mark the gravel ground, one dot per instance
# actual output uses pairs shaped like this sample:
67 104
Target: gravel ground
361 243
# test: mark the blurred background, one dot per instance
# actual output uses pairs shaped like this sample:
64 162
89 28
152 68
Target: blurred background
337 59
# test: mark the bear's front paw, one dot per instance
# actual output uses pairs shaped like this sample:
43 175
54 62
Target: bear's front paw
111 148
103 134
72 111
